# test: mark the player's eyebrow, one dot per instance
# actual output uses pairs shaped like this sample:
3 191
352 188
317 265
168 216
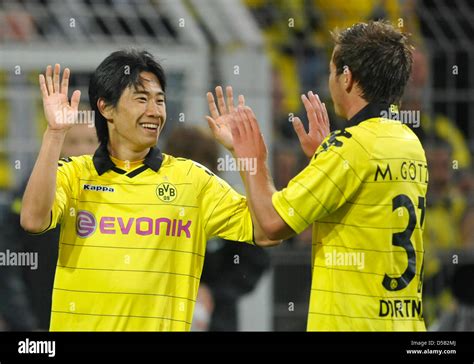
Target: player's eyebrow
159 93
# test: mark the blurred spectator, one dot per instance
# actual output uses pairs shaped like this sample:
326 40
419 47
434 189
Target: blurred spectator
230 270
25 294
16 25
298 60
446 211
450 206
433 125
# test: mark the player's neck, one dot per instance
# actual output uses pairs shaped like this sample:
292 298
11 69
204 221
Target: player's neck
355 106
123 153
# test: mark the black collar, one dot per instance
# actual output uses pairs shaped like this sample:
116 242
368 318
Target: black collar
103 163
371 110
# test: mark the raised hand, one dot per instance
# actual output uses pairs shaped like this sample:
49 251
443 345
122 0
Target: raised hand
318 124
59 113
248 140
220 115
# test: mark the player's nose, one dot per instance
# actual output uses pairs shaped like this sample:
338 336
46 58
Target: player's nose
153 110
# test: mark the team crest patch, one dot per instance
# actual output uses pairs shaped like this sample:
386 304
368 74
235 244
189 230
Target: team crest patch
166 192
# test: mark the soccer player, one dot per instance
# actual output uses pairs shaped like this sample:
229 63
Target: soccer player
134 221
363 190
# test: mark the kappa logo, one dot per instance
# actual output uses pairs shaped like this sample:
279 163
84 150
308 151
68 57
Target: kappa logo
97 188
166 192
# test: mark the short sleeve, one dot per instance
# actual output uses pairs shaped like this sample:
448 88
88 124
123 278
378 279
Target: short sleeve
224 212
329 180
64 176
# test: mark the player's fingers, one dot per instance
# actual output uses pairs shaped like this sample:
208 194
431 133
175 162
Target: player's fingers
317 106
252 120
49 79
320 111
75 99
299 129
233 122
220 100
245 123
326 119
43 88
230 98
212 106
310 112
241 100
320 108
65 81
56 76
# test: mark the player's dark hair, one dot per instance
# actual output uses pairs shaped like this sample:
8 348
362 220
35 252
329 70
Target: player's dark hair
379 57
117 72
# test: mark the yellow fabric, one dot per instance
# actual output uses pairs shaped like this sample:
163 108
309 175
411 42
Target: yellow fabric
4 117
130 258
5 169
15 207
343 14
358 206
442 232
5 172
443 223
288 70
126 165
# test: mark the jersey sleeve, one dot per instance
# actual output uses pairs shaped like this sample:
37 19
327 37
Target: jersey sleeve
224 212
331 178
64 176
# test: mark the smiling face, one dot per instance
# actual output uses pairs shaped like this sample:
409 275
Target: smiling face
139 116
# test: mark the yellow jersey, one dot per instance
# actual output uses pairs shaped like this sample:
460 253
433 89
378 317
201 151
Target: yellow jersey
132 243
365 192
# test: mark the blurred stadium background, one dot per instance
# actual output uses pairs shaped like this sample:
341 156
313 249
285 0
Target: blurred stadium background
271 51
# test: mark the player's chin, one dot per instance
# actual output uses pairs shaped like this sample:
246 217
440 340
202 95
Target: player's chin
151 143
146 142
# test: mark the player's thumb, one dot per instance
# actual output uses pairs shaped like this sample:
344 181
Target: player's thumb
75 99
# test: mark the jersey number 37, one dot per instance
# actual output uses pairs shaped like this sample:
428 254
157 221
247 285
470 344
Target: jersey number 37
403 240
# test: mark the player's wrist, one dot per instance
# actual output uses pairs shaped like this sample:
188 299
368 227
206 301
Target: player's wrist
54 137
55 133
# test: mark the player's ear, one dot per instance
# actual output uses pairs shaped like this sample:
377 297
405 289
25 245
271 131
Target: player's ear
348 80
104 109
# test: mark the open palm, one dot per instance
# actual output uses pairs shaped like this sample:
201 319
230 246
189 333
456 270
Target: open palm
59 113
318 124
219 121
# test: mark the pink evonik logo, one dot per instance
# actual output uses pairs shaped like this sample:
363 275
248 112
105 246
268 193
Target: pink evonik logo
85 224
